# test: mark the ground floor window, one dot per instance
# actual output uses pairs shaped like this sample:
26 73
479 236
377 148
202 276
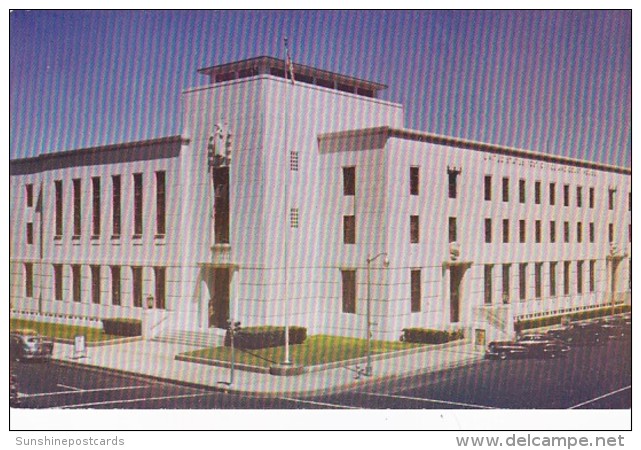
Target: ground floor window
57 281
159 273
348 278
487 283
95 285
415 276
77 282
28 280
115 286
136 273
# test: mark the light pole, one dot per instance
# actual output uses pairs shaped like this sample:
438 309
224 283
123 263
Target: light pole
368 368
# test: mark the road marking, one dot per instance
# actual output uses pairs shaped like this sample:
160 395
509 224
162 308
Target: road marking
73 388
428 400
601 397
81 391
310 402
133 400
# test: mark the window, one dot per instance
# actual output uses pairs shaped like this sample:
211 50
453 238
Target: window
160 277
552 194
488 187
506 230
57 281
414 230
630 201
610 232
29 233
349 180
293 161
591 274
349 291
115 285
416 290
95 285
630 233
487 284
537 192
506 189
552 279
506 283
452 183
95 206
452 229
414 180
349 229
566 195
552 231
521 191
77 282
611 193
522 231
591 231
488 231
522 281
538 288
566 231
115 198
579 232
579 277
58 200
28 280
29 189
293 217
579 197
566 278
591 197
160 203
138 205
136 273
537 231
77 208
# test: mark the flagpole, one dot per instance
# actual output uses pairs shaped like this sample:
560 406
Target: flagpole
287 212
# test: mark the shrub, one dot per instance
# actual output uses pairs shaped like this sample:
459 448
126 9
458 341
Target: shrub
428 336
252 338
122 327
556 320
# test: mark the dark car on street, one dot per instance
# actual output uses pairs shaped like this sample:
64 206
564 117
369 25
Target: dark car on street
579 333
29 345
527 346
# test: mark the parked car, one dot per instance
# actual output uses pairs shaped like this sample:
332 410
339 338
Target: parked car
579 333
29 345
526 346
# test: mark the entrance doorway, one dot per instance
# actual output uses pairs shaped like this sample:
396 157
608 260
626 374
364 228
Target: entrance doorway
218 309
456 275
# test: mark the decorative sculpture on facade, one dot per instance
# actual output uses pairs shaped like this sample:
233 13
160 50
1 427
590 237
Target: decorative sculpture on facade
455 251
219 146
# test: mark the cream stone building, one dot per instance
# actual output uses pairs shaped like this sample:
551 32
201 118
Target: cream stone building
281 203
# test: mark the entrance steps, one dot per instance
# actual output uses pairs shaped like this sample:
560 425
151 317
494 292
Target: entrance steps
190 337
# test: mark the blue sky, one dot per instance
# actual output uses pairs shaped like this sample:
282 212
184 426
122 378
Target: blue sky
550 81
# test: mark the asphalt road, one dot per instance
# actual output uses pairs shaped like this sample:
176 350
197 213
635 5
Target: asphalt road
595 377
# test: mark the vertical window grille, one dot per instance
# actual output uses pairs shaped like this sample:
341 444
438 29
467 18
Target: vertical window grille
566 278
537 192
506 189
579 232
579 277
28 280
349 229
487 284
136 273
522 281
488 231
506 231
452 229
414 180
591 197
552 231
579 197
138 204
95 206
552 279
415 290
522 231
115 286
349 181
611 193
591 232
95 285
566 195
77 282
348 278
57 281
77 208
161 201
552 194
160 278
293 217
452 188
506 283
610 232
537 231
538 289
566 232
521 191
29 233
59 209
414 230
591 274
115 198
488 187
29 189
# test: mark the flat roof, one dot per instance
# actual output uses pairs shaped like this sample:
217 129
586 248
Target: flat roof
379 135
303 73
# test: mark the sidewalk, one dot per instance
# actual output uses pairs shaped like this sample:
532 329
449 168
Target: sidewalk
156 360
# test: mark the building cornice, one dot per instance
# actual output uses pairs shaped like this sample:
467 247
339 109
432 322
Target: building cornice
366 135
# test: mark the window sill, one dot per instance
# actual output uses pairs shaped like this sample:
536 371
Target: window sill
75 237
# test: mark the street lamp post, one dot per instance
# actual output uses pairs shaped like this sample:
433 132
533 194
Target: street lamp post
368 367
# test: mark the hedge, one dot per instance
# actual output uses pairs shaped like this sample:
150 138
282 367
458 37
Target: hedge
428 336
122 327
252 338
556 320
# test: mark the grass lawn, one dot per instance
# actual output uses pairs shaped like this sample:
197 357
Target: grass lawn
318 349
54 330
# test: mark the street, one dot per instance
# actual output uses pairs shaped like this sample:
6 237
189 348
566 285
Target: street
591 377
